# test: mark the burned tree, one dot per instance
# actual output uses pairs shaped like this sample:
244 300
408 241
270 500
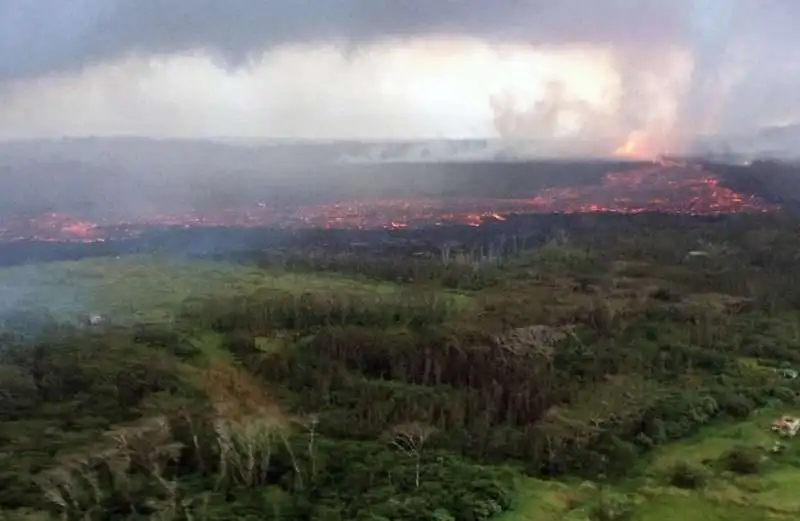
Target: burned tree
410 439
84 482
310 423
248 425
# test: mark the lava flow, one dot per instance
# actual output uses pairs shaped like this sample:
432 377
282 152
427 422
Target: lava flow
665 186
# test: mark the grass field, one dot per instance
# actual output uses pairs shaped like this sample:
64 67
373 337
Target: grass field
774 493
540 500
143 287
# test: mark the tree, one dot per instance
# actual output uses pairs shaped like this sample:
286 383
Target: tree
311 422
410 439
247 422
89 481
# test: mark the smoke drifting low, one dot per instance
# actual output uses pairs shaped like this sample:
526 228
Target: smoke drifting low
518 69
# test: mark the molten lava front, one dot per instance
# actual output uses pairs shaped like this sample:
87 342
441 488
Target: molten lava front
49 227
663 187
671 188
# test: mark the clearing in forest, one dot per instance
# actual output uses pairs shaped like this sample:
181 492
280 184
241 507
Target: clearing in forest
150 288
770 493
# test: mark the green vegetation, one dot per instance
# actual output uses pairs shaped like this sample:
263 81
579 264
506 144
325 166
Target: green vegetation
148 288
601 376
691 480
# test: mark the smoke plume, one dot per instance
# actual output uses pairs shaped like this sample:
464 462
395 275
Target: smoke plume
382 68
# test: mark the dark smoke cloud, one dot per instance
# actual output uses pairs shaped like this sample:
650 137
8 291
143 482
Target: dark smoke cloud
744 51
42 36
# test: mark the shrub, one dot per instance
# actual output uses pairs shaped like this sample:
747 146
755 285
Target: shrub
643 441
622 455
665 295
737 406
612 507
743 460
785 395
687 476
656 431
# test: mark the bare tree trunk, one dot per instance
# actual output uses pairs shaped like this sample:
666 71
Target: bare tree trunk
294 462
418 467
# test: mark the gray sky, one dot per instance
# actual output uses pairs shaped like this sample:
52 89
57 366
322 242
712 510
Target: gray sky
396 68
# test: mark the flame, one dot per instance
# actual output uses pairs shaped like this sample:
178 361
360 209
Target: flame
628 149
637 146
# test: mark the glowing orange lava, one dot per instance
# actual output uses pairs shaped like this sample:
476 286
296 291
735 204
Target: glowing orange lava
665 186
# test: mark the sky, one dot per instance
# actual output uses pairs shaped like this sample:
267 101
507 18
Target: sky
660 70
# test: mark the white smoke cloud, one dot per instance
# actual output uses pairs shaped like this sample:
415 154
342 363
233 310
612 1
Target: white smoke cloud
420 88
